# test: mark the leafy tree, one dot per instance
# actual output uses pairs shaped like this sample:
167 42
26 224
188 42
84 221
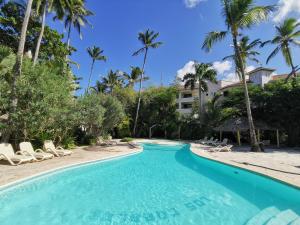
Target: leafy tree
96 54
99 113
239 15
286 35
99 87
203 73
147 39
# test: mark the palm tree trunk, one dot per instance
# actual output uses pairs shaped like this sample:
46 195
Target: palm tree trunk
38 45
200 100
17 71
254 143
291 61
69 36
92 68
139 94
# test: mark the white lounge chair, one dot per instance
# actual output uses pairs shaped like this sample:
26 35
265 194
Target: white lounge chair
206 142
57 151
213 142
7 153
226 148
202 140
27 149
220 144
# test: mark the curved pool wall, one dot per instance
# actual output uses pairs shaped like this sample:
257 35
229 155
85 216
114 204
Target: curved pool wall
252 179
162 185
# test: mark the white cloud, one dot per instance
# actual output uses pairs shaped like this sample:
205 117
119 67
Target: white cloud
188 68
232 77
222 67
286 7
192 3
250 68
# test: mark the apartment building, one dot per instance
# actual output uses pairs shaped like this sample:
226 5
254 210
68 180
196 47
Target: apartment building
186 97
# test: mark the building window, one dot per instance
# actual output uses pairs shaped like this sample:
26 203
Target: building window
187 105
177 106
187 95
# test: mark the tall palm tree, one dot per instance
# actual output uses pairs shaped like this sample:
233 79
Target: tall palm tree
134 76
112 80
203 73
96 54
17 70
42 8
239 15
76 14
147 39
286 34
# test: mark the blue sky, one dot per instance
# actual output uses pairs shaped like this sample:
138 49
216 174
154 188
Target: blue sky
182 25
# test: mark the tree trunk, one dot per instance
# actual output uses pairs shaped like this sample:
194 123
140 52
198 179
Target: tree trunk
140 94
92 68
38 45
292 64
254 143
200 100
17 71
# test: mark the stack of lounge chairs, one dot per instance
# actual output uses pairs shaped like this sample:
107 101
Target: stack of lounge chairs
28 154
218 146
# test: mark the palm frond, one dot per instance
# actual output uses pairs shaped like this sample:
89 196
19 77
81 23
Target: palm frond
273 54
213 37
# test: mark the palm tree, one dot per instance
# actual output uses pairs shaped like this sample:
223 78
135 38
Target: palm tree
99 87
42 8
134 76
203 73
286 35
147 39
112 80
239 15
247 50
17 70
76 14
96 54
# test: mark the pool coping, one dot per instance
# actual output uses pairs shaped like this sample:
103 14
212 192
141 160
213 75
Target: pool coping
243 167
67 167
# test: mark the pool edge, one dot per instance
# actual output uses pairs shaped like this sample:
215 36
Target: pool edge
295 186
67 167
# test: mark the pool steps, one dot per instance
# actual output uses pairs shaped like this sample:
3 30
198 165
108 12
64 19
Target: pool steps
273 216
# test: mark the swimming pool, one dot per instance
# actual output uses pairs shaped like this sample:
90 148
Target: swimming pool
162 185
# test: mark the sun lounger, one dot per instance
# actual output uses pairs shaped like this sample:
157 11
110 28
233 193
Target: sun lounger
7 153
202 140
213 142
27 149
219 144
102 142
226 148
205 142
57 151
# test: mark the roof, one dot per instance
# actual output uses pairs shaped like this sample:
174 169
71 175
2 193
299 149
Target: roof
237 84
242 124
260 69
282 76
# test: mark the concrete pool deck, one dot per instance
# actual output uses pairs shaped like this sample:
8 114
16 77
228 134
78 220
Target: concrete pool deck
281 164
10 174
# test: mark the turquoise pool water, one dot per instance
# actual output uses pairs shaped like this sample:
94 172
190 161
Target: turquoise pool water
163 185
